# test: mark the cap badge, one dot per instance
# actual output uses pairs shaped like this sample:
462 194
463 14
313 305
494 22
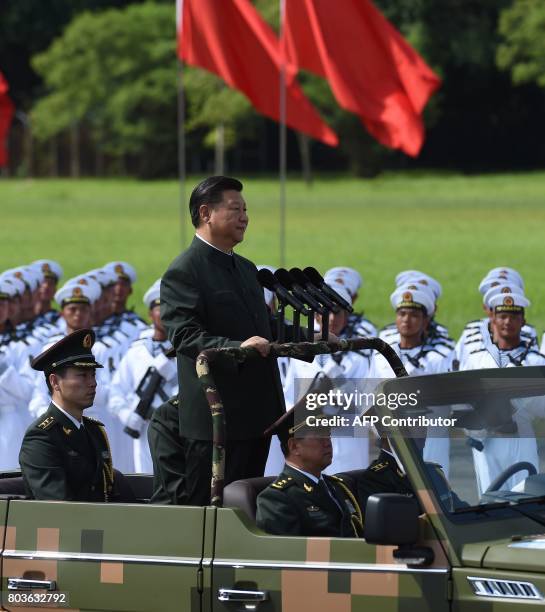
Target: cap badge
82 281
506 290
119 269
340 280
45 267
87 341
508 300
413 287
408 296
77 292
423 281
18 275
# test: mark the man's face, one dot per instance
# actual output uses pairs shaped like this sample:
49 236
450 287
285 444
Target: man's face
337 322
14 308
121 291
76 388
4 311
155 316
77 316
47 288
313 452
411 322
227 220
507 325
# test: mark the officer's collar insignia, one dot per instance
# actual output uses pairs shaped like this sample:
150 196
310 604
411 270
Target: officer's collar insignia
67 430
87 341
308 488
313 509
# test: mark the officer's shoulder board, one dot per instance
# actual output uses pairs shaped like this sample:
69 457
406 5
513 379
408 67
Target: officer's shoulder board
283 483
96 421
173 401
379 466
47 423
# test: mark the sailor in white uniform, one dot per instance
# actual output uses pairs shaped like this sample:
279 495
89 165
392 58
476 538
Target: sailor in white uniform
502 347
436 333
145 358
414 306
471 334
347 371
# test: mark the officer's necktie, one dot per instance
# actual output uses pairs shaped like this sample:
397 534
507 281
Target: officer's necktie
324 487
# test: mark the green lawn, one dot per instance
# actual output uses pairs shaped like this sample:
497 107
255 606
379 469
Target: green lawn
453 227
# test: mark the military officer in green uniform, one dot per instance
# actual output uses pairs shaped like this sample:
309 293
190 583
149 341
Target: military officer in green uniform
303 501
66 455
167 453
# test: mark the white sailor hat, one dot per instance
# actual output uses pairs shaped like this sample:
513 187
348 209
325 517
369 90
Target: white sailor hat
7 290
49 268
122 270
405 297
493 280
31 278
342 290
267 293
500 288
420 278
15 282
348 277
104 277
509 302
83 279
152 295
505 271
77 293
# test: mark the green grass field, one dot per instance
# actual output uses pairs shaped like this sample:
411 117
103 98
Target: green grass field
453 227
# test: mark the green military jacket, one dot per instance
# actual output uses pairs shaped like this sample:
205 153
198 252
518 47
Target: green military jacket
60 462
295 505
210 299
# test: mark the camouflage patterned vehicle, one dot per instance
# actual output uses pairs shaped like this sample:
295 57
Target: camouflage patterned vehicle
480 555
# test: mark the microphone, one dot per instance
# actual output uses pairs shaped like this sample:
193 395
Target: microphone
317 279
266 279
302 280
287 281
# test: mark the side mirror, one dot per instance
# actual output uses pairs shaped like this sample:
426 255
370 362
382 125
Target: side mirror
391 519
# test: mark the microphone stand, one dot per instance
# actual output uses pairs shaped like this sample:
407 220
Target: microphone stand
280 328
296 326
325 325
310 326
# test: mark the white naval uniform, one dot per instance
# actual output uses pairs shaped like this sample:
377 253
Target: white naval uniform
13 421
142 354
418 361
501 452
472 335
349 453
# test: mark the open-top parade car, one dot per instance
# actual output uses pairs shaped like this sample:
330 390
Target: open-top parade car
456 547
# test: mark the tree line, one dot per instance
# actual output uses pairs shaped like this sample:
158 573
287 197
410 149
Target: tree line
97 89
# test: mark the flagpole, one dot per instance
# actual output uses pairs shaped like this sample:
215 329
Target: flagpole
283 138
181 125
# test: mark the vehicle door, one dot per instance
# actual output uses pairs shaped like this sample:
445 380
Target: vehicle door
125 557
291 574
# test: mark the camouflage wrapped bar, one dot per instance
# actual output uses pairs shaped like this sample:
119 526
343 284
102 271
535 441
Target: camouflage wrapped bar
302 350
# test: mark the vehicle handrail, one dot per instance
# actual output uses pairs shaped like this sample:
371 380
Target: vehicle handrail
300 350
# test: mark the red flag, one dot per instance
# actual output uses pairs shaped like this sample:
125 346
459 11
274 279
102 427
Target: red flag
372 70
230 39
6 114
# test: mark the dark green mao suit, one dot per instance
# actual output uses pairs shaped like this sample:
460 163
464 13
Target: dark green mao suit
210 299
295 505
61 462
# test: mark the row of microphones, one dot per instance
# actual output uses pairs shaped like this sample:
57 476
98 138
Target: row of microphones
307 293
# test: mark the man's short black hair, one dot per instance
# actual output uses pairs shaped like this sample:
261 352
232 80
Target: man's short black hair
61 373
210 191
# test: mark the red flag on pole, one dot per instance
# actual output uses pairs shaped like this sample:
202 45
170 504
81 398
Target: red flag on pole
230 39
6 115
372 70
